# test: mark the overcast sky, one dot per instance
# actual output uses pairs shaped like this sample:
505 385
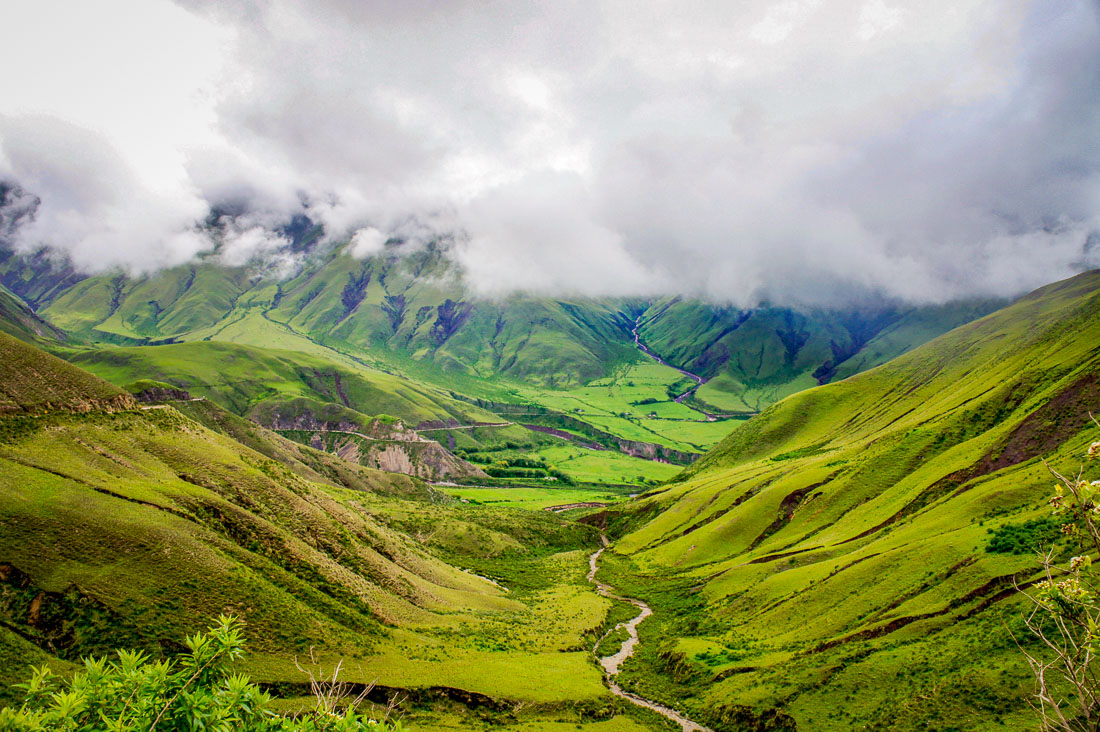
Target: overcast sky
800 151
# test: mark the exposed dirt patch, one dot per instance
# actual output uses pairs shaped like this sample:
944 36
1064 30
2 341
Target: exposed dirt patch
787 508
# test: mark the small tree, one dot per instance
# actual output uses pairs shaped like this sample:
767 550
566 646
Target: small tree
1065 615
194 691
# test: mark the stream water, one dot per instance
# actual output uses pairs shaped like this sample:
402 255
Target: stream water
613 663
680 399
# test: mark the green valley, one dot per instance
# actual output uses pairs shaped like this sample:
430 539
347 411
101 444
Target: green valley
549 366
409 480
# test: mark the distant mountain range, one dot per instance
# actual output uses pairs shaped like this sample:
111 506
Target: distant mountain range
410 305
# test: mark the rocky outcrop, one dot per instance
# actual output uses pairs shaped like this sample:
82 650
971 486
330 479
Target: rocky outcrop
384 444
162 394
307 421
652 451
422 458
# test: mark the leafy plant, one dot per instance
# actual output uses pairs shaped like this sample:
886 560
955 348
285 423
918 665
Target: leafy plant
1066 612
196 690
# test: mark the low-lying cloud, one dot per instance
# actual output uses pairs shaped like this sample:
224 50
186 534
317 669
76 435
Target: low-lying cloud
800 152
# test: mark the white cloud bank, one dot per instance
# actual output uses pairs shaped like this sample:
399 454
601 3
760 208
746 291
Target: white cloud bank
798 151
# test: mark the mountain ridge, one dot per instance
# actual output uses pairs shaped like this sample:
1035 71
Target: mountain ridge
409 303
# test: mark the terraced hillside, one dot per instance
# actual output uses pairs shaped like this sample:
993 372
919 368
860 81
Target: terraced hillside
845 559
127 525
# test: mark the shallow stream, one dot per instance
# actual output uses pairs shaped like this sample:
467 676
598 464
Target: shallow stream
613 664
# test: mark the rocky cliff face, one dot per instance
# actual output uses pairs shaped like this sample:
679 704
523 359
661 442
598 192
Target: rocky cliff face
388 445
161 394
419 457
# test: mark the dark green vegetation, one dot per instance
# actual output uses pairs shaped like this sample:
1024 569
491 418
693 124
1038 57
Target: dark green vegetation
195 690
753 358
847 558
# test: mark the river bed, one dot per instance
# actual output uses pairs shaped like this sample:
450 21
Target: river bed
613 664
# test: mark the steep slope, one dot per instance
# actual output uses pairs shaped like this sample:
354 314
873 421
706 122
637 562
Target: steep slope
414 303
17 319
124 526
32 382
753 358
844 534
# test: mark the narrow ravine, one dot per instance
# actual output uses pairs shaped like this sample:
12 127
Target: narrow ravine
681 398
613 664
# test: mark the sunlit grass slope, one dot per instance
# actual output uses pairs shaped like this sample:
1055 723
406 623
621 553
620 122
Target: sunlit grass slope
242 377
829 558
130 526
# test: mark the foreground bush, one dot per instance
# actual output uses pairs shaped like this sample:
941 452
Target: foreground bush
194 691
1065 612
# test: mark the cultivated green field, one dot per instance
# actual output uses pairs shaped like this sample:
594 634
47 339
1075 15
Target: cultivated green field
533 498
604 466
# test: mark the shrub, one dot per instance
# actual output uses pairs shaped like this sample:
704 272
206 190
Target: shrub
1024 538
1065 613
196 690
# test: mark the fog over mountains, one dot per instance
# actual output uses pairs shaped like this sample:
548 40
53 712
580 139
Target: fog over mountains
789 152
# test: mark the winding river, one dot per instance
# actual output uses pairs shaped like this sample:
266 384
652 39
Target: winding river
613 664
699 380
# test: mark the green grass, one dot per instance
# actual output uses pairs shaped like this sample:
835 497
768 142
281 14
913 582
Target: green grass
33 381
604 466
831 557
533 498
243 377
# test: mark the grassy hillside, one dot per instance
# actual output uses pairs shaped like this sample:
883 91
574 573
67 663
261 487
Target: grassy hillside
33 381
131 526
241 378
408 309
834 557
753 358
